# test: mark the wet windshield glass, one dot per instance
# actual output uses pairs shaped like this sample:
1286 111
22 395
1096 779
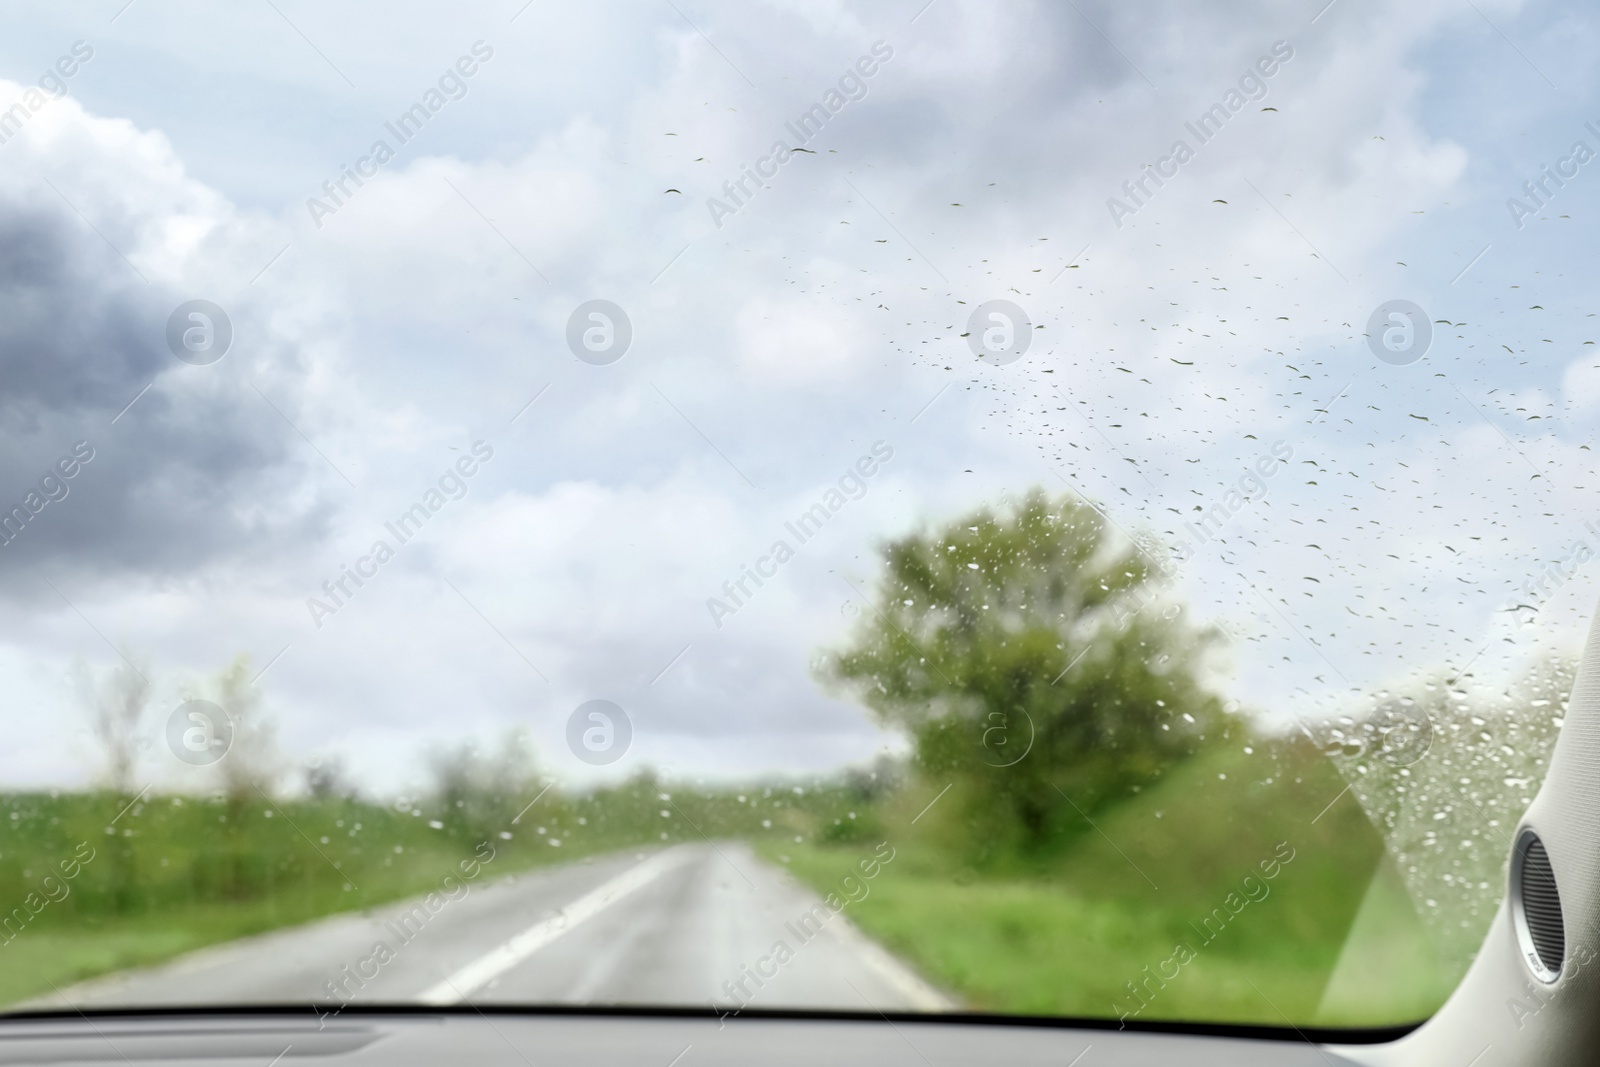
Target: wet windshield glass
1049 509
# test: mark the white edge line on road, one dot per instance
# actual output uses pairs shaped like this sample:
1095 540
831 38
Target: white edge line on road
906 982
486 968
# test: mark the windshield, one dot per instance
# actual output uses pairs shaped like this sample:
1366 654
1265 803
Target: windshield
1050 509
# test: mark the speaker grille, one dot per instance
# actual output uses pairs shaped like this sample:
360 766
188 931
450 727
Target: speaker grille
1541 907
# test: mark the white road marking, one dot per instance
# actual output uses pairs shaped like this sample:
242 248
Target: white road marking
486 968
900 978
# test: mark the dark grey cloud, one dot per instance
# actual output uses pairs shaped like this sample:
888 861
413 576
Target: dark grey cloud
198 469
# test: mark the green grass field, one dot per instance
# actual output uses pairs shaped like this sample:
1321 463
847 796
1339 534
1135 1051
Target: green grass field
1066 940
1332 939
173 874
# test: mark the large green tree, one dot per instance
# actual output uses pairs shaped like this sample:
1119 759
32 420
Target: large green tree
1039 666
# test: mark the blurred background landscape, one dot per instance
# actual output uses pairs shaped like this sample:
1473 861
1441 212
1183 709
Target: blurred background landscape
1231 721
1079 800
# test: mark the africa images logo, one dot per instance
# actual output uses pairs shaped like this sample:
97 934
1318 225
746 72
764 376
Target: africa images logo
52 86
852 85
52 487
451 85
852 485
1252 87
453 484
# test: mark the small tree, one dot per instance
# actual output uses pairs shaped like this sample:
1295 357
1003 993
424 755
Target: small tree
480 794
247 772
328 779
252 765
116 707
1036 667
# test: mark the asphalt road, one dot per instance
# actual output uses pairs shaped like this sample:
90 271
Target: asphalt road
687 926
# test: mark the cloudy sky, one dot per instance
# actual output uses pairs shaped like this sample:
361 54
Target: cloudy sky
380 330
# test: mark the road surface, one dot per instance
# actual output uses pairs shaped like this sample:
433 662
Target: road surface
692 925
